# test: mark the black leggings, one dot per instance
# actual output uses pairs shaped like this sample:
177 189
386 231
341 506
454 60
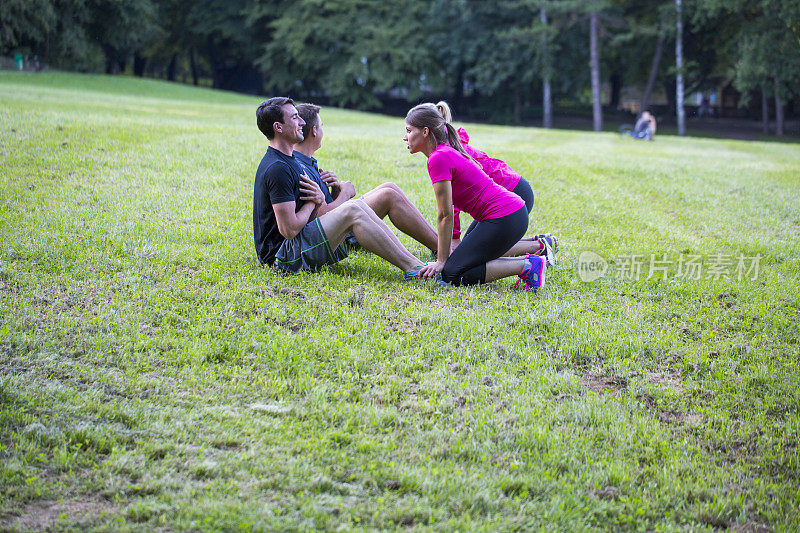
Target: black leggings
524 191
485 241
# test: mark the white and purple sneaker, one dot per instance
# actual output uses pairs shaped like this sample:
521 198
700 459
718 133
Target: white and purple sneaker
532 273
549 247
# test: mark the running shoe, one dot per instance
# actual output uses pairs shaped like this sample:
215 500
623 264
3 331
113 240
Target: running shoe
441 283
413 274
532 274
549 248
553 240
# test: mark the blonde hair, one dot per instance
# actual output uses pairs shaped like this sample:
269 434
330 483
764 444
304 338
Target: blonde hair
436 117
444 110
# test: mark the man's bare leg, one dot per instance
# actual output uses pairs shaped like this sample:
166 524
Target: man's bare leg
370 231
389 200
389 233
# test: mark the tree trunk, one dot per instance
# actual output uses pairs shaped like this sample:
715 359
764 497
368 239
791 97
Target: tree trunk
778 108
193 61
212 61
651 79
594 63
111 60
172 67
458 88
616 89
679 69
547 98
764 110
547 105
139 64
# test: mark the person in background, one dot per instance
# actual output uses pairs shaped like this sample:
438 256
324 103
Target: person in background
645 128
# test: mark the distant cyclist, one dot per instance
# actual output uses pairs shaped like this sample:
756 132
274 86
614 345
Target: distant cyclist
644 130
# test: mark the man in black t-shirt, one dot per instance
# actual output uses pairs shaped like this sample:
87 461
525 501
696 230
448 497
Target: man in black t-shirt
385 200
288 230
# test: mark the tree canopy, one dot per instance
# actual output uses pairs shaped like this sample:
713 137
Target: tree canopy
502 57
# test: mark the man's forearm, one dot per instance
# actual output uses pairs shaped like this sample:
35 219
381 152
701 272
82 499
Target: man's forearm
327 208
301 218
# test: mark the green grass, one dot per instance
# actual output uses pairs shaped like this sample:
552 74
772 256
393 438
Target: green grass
154 377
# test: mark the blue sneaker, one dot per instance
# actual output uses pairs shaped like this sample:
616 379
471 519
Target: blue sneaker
413 274
532 273
549 248
442 284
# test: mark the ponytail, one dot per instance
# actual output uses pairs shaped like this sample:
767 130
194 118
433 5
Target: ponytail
454 141
437 117
444 110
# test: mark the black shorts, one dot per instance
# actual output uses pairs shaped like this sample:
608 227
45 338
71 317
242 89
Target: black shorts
309 250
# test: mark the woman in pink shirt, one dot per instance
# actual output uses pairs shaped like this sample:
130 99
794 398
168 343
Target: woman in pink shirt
458 181
505 176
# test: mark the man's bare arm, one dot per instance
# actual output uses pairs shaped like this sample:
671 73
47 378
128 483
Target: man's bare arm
346 191
290 222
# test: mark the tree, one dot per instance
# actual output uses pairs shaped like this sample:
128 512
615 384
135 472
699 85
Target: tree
679 69
770 50
348 50
177 38
547 99
594 64
765 47
25 23
225 34
122 28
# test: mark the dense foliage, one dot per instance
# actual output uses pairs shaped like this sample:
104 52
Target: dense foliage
368 54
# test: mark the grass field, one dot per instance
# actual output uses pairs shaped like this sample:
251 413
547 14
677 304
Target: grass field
154 377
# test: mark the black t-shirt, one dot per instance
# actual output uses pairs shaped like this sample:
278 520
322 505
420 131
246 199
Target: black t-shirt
277 181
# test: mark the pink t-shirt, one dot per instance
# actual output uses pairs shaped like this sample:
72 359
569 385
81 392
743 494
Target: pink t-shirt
473 191
498 170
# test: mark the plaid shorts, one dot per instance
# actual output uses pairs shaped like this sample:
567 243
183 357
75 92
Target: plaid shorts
309 250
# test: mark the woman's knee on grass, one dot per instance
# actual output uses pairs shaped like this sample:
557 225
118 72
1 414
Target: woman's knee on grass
464 274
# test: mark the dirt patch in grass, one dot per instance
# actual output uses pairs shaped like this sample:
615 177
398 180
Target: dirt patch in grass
43 514
676 418
608 493
669 380
600 384
751 526
58 299
291 327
